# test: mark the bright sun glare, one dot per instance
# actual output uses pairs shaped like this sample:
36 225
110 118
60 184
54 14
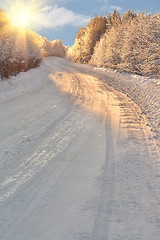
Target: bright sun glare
24 14
22 18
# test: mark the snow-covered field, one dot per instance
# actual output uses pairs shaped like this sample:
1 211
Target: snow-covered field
83 162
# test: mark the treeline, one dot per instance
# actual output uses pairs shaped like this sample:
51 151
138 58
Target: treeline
130 43
21 51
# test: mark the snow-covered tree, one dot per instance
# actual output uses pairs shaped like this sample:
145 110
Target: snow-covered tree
141 48
132 45
86 39
59 50
44 45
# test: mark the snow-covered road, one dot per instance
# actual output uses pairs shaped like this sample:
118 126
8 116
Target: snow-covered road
76 163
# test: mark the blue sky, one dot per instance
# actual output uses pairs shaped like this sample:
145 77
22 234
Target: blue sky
61 19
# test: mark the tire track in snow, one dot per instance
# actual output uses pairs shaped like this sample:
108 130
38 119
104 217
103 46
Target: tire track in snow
64 133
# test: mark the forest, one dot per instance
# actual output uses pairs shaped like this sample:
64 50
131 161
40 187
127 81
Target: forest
129 43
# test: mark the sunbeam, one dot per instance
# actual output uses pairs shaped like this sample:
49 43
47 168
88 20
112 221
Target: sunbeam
25 14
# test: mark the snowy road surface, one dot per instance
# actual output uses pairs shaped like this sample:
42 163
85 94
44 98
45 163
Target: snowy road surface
76 163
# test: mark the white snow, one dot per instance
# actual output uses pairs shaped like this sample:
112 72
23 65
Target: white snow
144 91
79 163
23 82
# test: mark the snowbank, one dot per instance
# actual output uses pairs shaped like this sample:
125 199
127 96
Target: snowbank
23 82
144 91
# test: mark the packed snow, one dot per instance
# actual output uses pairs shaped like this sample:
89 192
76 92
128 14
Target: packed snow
145 92
79 154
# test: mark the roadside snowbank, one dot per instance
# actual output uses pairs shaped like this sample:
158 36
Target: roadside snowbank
23 82
144 91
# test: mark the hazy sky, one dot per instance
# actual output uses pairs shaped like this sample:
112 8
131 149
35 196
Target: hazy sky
61 19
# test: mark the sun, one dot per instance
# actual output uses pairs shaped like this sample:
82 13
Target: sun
22 18
24 14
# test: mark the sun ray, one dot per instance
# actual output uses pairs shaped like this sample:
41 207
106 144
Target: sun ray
24 14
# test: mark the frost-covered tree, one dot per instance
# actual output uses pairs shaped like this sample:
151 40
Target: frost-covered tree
107 52
48 48
86 39
141 48
59 50
77 51
132 45
44 45
128 43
